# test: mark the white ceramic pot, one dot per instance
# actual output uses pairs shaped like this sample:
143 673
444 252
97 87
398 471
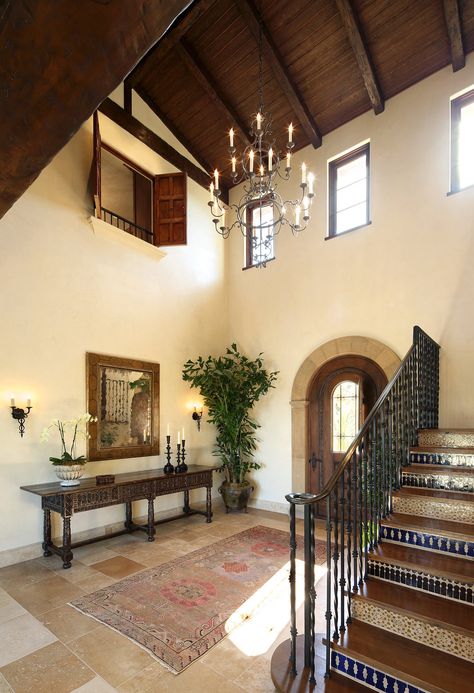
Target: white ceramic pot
69 473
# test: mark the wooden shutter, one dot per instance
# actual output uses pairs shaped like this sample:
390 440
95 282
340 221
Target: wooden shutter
170 209
94 183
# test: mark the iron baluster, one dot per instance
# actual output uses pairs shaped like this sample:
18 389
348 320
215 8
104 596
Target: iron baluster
363 514
328 584
336 562
292 579
357 548
342 581
349 539
310 592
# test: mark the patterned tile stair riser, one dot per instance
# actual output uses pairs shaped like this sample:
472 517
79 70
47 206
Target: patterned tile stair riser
369 676
453 459
446 482
423 581
439 508
444 438
430 542
452 641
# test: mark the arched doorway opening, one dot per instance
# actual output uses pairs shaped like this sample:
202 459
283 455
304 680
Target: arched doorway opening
374 350
342 393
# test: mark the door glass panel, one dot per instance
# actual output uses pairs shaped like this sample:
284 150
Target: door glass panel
345 415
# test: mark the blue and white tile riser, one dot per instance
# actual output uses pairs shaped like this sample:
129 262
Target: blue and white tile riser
443 482
369 676
430 542
452 459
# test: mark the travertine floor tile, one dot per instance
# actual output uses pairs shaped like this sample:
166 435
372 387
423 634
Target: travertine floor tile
110 655
78 572
259 676
93 554
145 681
20 636
45 595
118 567
198 678
95 685
227 660
4 685
9 607
97 582
67 623
21 574
53 669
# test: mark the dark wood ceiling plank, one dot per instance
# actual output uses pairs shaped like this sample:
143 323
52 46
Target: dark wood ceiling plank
202 76
453 25
126 121
287 85
173 128
176 33
58 60
361 53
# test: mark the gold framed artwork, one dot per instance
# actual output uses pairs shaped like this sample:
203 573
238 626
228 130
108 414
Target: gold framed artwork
124 395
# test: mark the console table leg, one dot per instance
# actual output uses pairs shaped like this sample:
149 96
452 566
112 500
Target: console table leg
208 505
128 516
151 520
47 532
186 507
66 548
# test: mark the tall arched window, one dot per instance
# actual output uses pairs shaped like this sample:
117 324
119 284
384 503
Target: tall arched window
345 414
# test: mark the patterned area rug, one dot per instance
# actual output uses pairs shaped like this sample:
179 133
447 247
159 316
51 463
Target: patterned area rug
180 609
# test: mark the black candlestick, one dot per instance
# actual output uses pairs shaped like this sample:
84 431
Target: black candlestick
181 466
168 468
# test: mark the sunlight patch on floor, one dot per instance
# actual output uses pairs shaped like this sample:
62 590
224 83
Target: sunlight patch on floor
267 612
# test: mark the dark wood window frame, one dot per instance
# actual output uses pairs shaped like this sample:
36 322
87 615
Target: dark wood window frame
248 242
457 105
334 165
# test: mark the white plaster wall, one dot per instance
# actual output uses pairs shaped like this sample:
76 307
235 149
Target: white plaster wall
412 265
66 291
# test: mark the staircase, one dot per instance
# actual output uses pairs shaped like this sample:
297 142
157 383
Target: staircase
400 547
412 620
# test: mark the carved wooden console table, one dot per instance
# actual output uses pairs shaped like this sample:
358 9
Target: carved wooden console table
128 487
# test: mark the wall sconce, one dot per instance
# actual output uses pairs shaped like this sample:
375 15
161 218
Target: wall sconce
20 414
197 415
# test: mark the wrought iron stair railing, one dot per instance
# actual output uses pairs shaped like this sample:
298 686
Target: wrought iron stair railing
359 495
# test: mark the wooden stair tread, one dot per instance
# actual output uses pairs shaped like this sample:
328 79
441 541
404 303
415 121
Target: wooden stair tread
434 493
395 653
444 469
431 606
433 449
427 561
460 530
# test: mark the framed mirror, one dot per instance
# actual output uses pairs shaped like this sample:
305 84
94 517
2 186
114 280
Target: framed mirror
124 395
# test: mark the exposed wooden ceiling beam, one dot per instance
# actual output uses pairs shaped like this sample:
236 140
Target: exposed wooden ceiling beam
127 97
58 60
175 34
453 24
173 129
361 53
202 76
252 17
126 121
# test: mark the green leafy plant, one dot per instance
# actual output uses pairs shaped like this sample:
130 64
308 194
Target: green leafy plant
69 432
230 385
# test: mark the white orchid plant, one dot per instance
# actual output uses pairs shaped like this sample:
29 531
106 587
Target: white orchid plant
69 432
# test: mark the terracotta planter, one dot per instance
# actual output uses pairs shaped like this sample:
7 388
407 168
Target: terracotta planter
235 496
69 473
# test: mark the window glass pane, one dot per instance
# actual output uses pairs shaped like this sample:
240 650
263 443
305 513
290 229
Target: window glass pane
466 146
351 194
354 170
262 244
345 415
351 218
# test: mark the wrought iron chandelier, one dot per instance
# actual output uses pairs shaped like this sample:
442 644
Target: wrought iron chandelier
261 211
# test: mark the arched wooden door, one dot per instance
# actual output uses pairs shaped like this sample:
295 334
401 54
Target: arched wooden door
341 396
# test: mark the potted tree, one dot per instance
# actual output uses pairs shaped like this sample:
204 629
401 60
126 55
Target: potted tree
230 385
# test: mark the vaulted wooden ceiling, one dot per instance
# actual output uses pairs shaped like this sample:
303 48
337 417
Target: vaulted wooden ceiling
325 62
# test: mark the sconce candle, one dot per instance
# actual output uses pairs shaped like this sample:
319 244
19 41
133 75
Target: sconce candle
197 416
20 414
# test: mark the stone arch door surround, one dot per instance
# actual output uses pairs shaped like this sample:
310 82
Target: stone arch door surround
385 357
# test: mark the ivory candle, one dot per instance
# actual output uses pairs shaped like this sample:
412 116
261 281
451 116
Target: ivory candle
297 215
211 192
303 173
288 160
270 159
216 179
234 162
311 183
259 121
290 133
231 137
251 155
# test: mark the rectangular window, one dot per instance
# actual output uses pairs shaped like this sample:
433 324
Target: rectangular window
349 186
462 141
260 243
